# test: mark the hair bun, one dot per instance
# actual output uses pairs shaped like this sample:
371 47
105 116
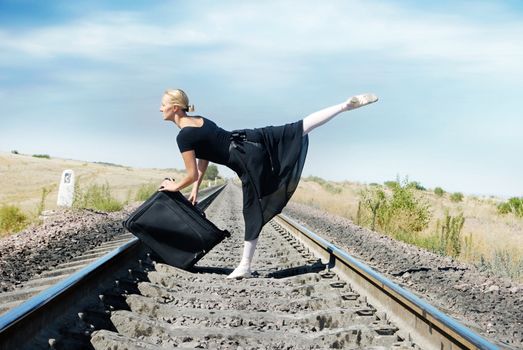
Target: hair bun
190 108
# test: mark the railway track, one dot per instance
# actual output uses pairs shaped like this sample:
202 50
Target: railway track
45 280
307 294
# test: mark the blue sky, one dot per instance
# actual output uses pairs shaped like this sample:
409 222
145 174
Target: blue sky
83 80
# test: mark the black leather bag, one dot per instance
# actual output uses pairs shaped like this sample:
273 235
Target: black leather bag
174 229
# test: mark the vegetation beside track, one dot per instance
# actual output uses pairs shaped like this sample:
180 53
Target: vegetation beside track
486 231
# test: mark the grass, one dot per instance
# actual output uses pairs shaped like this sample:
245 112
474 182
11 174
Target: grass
471 230
450 235
45 193
145 191
514 205
505 263
97 197
12 219
24 176
328 186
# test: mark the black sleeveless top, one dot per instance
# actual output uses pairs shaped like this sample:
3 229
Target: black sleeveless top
209 142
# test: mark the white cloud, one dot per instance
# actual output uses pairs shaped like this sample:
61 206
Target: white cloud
104 37
279 32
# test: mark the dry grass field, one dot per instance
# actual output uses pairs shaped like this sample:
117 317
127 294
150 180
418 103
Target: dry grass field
23 177
492 233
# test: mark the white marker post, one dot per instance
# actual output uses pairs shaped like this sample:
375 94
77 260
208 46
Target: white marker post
66 190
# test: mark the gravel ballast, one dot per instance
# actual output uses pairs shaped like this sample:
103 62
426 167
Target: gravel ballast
63 235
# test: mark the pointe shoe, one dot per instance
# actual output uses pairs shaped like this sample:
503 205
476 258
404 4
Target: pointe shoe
240 272
360 101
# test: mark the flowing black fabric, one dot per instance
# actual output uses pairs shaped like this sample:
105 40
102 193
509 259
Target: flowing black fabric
269 162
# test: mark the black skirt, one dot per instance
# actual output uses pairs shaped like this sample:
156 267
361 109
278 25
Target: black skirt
269 162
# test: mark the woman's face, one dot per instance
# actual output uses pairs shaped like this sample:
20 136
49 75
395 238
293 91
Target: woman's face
167 108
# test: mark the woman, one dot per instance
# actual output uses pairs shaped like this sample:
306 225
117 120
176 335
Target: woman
268 160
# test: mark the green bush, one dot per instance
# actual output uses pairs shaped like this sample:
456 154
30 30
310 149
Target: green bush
456 197
14 152
145 191
513 205
398 214
404 211
438 191
96 197
46 156
504 208
391 184
12 219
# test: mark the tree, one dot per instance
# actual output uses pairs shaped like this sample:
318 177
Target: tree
211 173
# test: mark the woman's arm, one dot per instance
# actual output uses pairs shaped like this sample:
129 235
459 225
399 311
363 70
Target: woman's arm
202 167
189 158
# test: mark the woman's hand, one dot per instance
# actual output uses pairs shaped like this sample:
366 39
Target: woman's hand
194 195
168 185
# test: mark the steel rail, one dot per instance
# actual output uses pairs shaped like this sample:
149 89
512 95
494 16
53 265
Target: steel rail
24 315
427 326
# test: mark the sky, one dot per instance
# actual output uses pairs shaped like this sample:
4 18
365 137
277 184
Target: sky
83 80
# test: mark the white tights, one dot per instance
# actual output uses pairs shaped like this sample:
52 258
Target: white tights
244 269
318 118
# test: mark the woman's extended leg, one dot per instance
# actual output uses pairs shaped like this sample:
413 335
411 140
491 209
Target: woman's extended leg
309 123
316 119
244 269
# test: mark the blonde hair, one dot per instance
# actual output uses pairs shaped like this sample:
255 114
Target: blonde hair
178 97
